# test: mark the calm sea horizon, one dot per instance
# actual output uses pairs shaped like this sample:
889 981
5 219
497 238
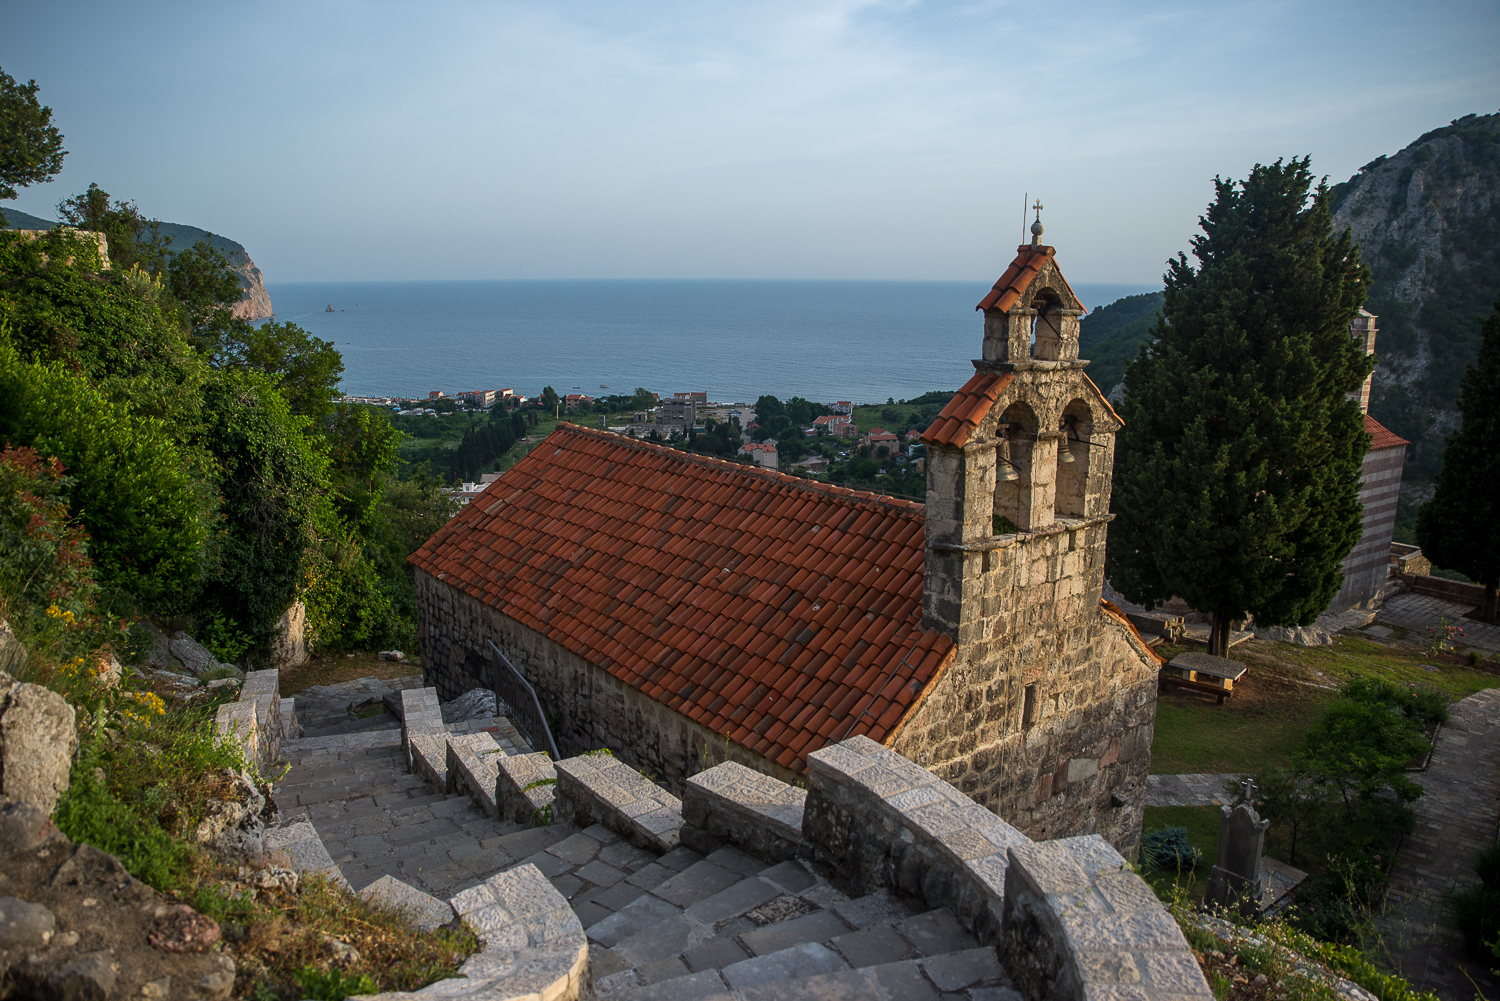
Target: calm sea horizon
735 340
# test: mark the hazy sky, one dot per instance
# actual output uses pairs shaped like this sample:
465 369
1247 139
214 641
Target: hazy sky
366 140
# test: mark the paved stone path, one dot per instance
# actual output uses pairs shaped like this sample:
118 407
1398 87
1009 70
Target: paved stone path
1455 820
669 927
1187 790
1415 612
330 709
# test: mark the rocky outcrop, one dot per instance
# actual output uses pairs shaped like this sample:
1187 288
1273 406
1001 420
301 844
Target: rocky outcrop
37 741
1425 222
256 304
75 924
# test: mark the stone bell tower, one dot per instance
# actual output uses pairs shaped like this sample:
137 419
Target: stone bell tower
1046 713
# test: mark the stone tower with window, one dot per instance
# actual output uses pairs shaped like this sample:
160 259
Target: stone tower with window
1045 713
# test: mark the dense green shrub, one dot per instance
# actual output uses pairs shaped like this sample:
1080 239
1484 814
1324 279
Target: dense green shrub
1168 848
1425 702
128 482
142 779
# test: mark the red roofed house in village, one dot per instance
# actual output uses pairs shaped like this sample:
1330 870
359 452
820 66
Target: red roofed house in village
675 607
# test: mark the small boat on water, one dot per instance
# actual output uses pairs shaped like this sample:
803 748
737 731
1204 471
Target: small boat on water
603 385
329 309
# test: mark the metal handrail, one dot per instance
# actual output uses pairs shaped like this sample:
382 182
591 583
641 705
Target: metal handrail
533 723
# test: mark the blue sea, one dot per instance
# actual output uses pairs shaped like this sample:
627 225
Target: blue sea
864 341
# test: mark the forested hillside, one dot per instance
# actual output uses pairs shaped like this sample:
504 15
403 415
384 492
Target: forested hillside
1110 336
1427 220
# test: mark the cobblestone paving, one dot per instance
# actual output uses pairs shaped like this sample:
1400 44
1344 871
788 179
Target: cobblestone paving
1415 612
1455 820
1187 790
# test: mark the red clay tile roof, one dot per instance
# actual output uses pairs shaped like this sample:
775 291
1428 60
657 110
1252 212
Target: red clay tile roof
1029 260
1381 438
1114 612
967 408
780 612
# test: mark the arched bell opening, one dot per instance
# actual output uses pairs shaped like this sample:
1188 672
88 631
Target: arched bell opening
1046 326
1073 460
1014 447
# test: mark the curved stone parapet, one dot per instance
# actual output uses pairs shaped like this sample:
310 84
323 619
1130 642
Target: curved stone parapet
534 947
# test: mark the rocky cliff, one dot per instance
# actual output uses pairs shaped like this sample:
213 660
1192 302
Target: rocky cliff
255 303
1427 221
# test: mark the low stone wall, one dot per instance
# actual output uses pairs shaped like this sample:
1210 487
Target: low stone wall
1079 924
420 714
256 719
598 789
1450 590
473 764
525 786
884 821
1068 918
732 804
534 946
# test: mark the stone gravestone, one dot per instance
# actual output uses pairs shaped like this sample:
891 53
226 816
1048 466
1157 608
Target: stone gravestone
1235 880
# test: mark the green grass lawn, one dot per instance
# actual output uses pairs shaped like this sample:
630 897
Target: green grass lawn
1282 695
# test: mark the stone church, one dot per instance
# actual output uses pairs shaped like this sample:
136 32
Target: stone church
679 609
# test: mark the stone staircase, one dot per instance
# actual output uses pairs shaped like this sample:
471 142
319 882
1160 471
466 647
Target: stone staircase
606 901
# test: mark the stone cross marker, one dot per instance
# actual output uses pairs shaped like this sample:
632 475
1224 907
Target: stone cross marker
1235 880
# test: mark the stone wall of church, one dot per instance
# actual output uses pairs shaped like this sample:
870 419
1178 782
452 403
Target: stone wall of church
588 707
1070 755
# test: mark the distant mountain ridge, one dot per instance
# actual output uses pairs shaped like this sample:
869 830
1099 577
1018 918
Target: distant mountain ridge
256 301
1427 220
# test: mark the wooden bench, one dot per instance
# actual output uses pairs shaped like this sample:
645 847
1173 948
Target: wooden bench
1200 672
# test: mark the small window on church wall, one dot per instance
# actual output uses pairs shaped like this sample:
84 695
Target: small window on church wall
1029 705
1046 326
1016 440
1073 460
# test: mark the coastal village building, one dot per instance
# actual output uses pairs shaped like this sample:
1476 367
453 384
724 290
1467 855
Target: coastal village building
679 412
763 452
677 608
835 425
572 401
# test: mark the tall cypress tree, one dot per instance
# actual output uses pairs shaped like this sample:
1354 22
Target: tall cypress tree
1459 529
1237 474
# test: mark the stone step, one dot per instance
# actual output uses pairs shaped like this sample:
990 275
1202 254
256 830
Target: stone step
729 926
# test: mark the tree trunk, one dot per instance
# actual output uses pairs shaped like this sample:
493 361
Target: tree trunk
1487 612
1218 635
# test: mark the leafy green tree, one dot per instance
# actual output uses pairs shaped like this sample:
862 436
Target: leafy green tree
133 239
1237 472
768 407
271 478
1459 528
30 146
643 399
550 399
306 369
206 290
363 448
